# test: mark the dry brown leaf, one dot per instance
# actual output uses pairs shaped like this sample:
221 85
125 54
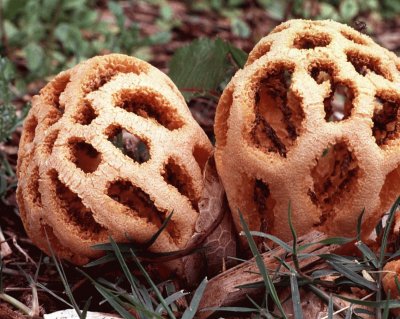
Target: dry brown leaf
213 230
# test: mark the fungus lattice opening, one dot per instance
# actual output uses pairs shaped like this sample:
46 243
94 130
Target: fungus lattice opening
260 51
201 155
334 177
129 144
150 107
86 114
49 141
278 114
30 128
48 232
365 64
386 119
74 211
58 85
339 104
176 176
84 155
265 205
354 37
311 40
139 204
221 117
33 187
103 73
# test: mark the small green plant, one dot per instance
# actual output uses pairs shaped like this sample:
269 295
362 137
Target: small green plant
230 9
9 121
54 35
344 11
212 64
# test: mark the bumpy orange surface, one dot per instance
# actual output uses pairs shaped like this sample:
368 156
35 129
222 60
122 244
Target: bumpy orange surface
110 148
312 119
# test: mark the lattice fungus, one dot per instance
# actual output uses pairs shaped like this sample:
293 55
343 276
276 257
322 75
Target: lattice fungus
312 119
110 148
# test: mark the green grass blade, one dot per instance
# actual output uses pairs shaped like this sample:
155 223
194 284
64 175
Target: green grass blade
153 238
387 231
351 264
253 285
292 230
171 299
362 311
50 292
368 253
195 302
349 312
117 304
386 309
272 238
359 223
294 288
253 302
294 235
100 261
353 276
123 247
153 286
114 303
86 308
63 277
141 295
323 273
329 241
261 266
330 308
392 304
383 247
122 263
230 309
396 280
395 255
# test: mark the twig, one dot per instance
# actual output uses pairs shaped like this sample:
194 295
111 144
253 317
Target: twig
19 289
78 284
27 257
35 311
347 307
11 272
5 249
16 303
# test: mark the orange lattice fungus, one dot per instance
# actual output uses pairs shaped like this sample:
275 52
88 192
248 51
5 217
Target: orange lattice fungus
312 119
110 148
